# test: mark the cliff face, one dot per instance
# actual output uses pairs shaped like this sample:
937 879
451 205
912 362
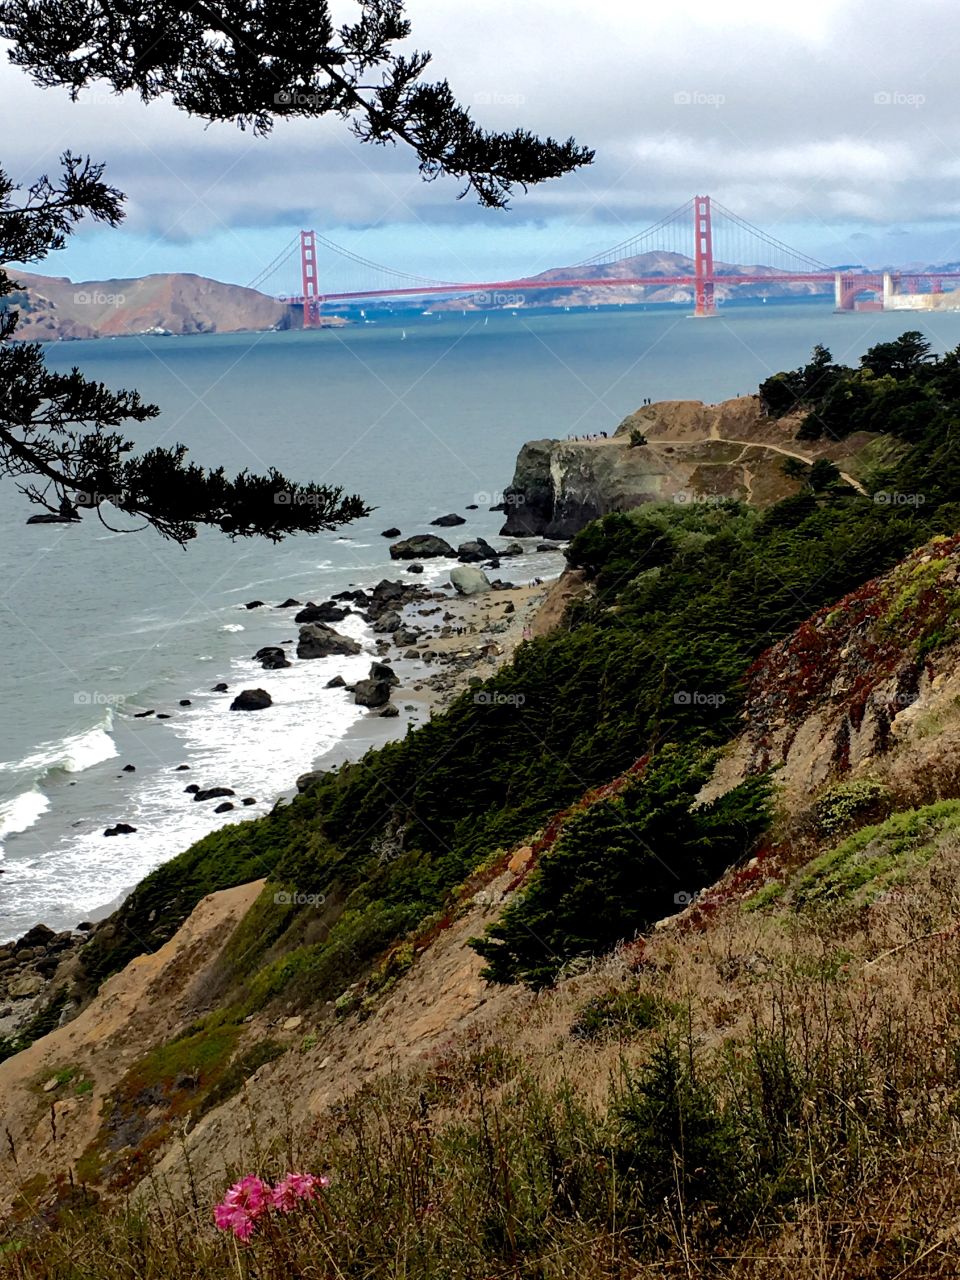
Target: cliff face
868 687
54 308
694 452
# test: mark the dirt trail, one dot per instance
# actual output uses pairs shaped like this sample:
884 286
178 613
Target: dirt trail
787 453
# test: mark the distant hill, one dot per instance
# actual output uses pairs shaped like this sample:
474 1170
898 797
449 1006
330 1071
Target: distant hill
54 308
644 264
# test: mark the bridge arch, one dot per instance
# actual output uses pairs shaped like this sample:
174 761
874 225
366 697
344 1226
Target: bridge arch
848 289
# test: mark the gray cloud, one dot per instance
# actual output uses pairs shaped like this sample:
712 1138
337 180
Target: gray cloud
831 111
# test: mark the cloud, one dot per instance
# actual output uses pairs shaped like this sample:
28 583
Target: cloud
792 115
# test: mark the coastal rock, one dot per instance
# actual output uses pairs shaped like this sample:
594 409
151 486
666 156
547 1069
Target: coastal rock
405 636
272 658
326 612
448 521
336 683
251 700
307 780
40 935
372 693
28 984
469 581
214 793
248 800
254 604
390 533
389 711
223 808
129 768
120 829
475 551
185 702
317 640
414 568
422 546
181 768
52 518
289 603
222 687
511 549
387 622
383 671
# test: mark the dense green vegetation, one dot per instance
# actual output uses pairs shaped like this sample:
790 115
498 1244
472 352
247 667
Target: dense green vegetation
686 597
622 864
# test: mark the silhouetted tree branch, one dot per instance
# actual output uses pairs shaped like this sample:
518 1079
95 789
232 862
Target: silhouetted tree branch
255 61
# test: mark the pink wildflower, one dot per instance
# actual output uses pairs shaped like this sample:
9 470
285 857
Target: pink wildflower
245 1202
295 1187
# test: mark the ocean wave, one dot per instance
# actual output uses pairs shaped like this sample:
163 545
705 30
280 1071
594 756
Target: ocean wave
72 754
233 626
20 813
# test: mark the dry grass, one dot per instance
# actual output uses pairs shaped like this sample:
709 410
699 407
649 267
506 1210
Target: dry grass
809 1129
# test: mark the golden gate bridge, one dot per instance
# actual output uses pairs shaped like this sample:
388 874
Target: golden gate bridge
705 248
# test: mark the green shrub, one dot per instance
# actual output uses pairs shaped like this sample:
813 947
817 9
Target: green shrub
618 1014
622 864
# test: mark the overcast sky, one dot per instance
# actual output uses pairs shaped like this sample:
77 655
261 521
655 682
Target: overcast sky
833 124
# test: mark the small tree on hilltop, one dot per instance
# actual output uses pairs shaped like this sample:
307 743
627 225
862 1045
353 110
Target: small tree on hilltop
247 61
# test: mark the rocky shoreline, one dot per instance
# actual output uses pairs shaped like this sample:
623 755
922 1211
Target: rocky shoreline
430 643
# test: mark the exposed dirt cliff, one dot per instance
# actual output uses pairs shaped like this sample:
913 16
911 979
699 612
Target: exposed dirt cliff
693 452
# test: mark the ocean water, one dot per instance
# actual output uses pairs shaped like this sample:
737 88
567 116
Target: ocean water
419 414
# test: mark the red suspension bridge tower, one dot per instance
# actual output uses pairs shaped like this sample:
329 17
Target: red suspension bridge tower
309 279
704 304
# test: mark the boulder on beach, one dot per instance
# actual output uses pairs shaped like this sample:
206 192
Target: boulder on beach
511 549
383 671
390 533
475 551
120 829
129 768
185 702
387 622
336 683
469 581
248 800
326 612
251 700
405 636
372 693
414 568
289 603
222 687
271 657
223 808
181 768
448 522
254 604
422 546
317 640
389 711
